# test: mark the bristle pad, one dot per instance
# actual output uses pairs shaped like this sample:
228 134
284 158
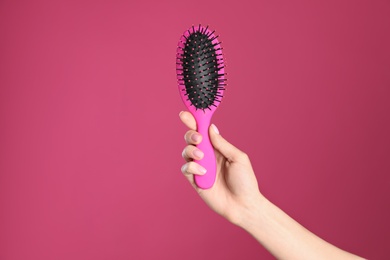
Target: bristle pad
201 68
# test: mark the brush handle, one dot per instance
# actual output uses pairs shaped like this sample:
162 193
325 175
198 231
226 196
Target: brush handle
207 180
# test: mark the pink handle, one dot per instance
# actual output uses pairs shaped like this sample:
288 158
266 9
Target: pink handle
207 180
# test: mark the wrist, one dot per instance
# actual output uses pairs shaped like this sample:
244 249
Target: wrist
254 213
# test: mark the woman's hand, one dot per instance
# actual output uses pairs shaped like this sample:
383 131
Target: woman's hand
235 192
235 195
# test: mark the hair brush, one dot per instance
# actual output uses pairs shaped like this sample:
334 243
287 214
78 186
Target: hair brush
201 80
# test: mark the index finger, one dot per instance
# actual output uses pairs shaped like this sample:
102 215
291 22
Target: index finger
188 119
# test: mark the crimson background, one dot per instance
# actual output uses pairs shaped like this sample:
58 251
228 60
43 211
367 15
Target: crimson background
91 139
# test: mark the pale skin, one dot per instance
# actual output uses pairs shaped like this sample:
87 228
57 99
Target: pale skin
236 196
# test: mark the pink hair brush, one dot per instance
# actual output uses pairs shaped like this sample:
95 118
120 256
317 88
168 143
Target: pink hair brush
201 80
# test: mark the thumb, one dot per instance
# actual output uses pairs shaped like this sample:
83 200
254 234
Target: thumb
228 150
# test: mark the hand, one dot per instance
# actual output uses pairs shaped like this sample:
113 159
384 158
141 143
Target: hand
235 195
235 192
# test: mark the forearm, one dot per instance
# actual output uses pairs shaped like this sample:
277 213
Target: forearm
285 238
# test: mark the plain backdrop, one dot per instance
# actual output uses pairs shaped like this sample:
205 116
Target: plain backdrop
91 141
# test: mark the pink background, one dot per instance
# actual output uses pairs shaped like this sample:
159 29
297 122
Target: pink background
90 139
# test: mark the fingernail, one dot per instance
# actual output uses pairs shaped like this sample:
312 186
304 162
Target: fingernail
180 112
215 128
201 169
198 154
196 138
184 168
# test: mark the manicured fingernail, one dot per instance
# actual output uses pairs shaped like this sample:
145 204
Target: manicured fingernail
184 168
201 169
215 129
198 154
196 138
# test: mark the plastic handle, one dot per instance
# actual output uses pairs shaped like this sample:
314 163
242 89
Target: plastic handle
208 161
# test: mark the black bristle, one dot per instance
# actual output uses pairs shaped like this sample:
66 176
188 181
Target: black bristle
202 68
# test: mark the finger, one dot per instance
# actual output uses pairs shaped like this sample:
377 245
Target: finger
190 153
188 119
191 168
228 150
192 137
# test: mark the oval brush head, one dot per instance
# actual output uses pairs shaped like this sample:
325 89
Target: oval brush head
200 68
201 80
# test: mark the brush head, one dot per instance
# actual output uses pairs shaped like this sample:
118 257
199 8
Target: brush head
200 68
